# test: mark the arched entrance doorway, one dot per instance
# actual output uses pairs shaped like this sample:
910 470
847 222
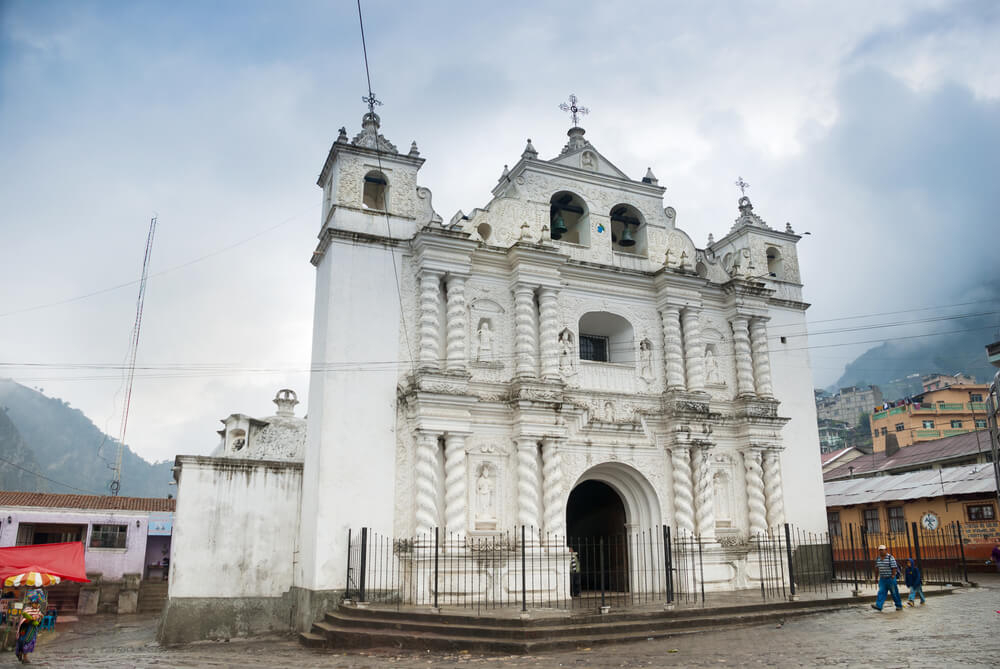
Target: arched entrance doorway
595 529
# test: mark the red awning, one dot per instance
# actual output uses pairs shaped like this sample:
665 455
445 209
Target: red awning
63 560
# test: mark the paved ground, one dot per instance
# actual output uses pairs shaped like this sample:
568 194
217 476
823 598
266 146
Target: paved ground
959 630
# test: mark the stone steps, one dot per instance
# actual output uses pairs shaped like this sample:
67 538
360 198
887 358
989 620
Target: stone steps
152 596
349 627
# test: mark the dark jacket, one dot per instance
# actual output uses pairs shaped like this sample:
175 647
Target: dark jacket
912 577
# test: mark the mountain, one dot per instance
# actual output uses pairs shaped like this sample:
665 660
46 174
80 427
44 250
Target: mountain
65 446
896 366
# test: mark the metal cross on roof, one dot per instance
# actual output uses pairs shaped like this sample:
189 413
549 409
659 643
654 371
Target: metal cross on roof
742 185
371 101
575 110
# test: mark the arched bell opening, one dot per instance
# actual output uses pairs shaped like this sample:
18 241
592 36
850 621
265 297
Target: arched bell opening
774 264
568 219
376 191
628 230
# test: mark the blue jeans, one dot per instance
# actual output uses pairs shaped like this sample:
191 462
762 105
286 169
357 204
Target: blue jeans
887 584
917 590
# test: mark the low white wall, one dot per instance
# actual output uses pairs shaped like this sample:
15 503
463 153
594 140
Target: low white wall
235 527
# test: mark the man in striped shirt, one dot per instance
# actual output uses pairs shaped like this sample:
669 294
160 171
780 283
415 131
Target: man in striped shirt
887 571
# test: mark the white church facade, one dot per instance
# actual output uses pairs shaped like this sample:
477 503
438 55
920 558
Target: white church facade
469 376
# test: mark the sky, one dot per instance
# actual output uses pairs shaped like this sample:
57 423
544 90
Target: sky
875 127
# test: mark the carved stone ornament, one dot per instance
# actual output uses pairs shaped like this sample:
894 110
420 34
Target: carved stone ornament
369 137
733 541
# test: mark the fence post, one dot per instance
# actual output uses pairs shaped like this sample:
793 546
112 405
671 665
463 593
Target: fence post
701 571
364 561
916 549
668 566
854 559
347 587
600 550
961 547
524 576
791 570
436 531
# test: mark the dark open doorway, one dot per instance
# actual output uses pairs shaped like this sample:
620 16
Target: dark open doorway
595 527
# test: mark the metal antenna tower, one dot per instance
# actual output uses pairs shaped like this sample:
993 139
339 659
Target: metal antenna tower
116 482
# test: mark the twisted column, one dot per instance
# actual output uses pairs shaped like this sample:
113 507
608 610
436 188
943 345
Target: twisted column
524 330
552 485
704 494
527 483
427 483
744 365
673 350
457 324
430 306
680 459
694 351
774 498
761 357
756 513
548 308
455 496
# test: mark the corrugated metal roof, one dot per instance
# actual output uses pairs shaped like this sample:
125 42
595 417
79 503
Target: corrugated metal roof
967 480
105 503
827 458
916 454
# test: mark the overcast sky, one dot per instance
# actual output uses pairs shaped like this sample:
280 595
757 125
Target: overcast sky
874 126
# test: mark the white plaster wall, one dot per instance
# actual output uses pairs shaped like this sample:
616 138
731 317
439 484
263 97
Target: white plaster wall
350 445
234 529
802 473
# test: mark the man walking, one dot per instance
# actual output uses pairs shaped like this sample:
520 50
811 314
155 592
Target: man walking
887 571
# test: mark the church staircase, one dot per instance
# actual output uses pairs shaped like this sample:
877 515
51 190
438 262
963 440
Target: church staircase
351 627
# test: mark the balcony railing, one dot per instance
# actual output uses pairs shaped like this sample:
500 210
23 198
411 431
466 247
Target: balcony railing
952 433
608 376
951 406
928 434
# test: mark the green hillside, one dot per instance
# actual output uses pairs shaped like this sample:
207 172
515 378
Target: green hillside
65 445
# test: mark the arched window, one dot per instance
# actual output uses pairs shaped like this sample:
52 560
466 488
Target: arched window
774 262
568 220
606 337
628 230
376 191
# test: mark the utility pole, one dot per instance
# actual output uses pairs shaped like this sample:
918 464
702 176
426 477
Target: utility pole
116 482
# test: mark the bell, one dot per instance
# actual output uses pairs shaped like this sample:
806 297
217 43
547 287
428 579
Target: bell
558 227
626 239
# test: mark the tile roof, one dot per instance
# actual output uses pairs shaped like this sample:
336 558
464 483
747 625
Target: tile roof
910 456
105 503
970 479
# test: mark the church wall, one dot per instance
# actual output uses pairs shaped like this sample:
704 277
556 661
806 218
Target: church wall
351 445
801 468
232 548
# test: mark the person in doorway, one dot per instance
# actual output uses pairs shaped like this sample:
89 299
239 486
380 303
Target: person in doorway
915 583
574 574
888 571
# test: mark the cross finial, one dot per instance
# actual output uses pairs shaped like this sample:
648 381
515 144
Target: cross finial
371 101
742 185
574 109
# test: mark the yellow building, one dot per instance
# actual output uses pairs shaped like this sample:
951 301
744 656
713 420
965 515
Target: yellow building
932 415
934 499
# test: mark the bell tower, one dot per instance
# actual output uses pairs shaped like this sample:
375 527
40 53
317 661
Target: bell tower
372 207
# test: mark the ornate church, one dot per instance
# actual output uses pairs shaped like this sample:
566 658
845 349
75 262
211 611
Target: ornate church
566 341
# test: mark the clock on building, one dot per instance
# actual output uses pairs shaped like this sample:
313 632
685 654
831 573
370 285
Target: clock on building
929 521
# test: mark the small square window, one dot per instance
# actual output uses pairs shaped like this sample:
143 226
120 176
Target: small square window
980 423
897 523
928 424
108 536
594 348
975 397
956 423
884 431
899 427
833 521
784 340
980 512
872 525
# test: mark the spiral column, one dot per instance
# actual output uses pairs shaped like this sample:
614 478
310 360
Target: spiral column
552 486
455 496
680 459
457 324
426 502
548 308
704 494
774 498
756 512
430 309
744 364
761 357
673 348
694 351
524 330
527 484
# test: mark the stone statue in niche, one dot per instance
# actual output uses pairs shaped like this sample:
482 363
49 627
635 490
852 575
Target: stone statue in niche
567 353
646 359
713 375
484 349
486 498
588 161
609 412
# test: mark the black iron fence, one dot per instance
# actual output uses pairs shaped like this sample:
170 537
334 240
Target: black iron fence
525 568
